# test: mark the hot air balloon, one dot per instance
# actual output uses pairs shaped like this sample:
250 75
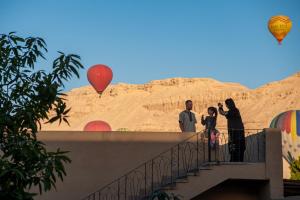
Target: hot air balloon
289 124
99 77
97 126
280 26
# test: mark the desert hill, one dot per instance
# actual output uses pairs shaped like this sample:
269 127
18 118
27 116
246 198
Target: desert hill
155 106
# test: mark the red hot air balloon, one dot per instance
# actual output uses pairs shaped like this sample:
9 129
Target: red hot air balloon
97 126
99 77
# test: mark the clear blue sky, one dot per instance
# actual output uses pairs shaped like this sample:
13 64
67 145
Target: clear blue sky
143 40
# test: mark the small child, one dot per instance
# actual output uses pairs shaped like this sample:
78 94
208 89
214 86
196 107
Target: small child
210 123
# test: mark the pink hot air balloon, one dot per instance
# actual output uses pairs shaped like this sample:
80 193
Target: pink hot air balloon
97 126
99 77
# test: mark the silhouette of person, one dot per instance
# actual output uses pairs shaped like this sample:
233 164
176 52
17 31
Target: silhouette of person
236 132
187 119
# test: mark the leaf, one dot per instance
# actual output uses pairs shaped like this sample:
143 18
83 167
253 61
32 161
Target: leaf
53 119
65 120
15 52
77 63
74 71
42 40
74 56
62 94
66 112
17 39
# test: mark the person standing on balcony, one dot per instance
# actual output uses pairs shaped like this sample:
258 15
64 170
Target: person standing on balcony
236 132
187 119
210 123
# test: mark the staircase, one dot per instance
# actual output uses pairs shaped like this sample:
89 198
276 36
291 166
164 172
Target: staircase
188 168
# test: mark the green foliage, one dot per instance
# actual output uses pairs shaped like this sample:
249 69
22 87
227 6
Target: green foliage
294 166
26 98
295 170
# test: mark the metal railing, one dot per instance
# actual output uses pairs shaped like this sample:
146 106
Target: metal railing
183 159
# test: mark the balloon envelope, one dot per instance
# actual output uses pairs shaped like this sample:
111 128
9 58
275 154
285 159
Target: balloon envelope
289 124
279 26
99 77
97 126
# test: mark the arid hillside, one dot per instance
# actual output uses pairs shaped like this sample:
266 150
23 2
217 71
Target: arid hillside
155 106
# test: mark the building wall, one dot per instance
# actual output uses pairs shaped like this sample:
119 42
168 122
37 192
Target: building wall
235 190
99 158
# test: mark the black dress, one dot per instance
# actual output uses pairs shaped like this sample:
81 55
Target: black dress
236 134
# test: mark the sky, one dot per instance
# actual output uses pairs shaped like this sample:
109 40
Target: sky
144 40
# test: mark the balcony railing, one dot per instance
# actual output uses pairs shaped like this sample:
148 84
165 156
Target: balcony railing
186 158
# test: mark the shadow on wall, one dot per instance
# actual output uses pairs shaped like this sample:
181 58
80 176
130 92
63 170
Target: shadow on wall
234 190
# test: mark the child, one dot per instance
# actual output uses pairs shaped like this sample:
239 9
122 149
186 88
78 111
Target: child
210 123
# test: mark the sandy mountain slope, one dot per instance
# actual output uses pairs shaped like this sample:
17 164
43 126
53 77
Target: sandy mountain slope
155 106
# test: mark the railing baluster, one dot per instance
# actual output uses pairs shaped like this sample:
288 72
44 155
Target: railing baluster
145 179
171 166
125 187
203 145
197 164
209 147
152 176
178 160
118 189
258 144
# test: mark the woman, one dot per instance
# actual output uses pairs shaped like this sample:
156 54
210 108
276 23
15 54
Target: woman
236 131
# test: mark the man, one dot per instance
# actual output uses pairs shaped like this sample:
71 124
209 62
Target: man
187 119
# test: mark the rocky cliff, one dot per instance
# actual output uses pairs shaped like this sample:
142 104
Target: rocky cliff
155 106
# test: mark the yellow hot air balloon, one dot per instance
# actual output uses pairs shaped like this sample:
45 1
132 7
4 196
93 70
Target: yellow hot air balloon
280 26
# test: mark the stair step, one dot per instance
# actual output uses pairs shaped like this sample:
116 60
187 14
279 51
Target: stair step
193 174
168 183
204 168
194 170
182 177
170 186
183 180
133 197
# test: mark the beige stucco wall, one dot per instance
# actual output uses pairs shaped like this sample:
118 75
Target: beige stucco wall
99 158
286 169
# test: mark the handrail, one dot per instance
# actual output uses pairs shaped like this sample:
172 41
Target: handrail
150 159
177 162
